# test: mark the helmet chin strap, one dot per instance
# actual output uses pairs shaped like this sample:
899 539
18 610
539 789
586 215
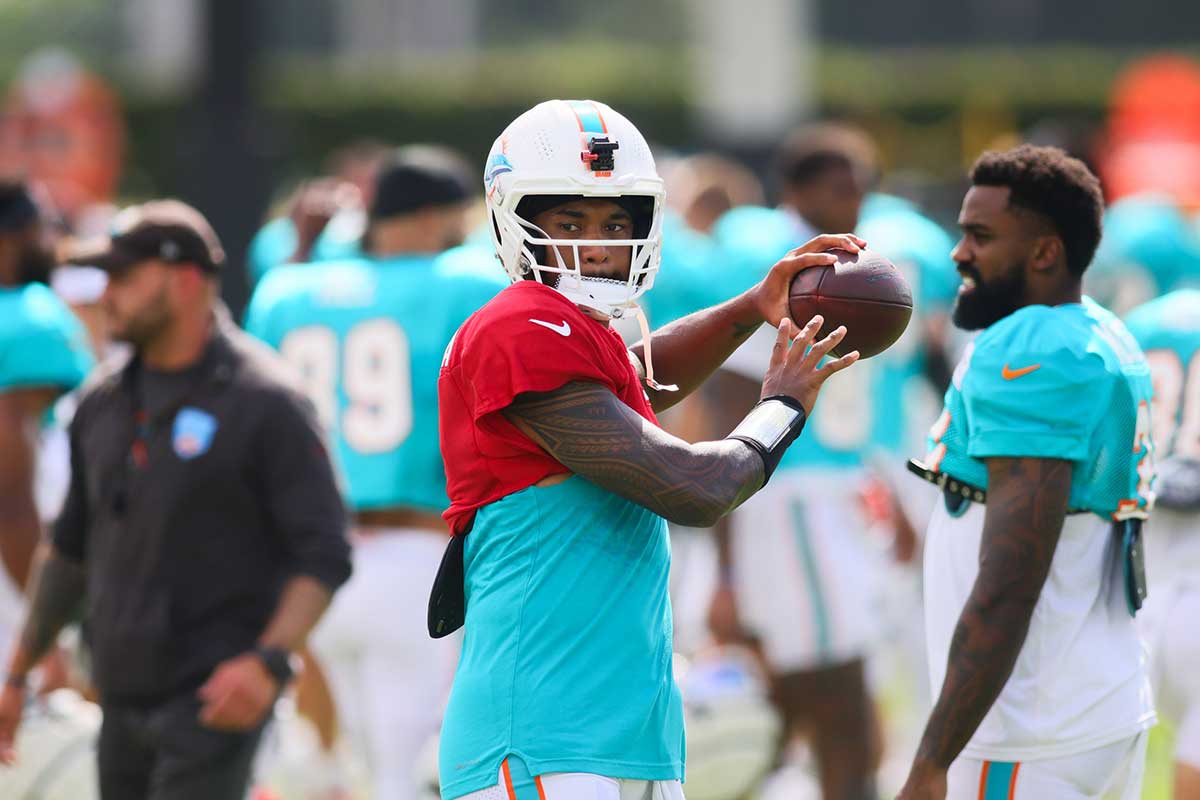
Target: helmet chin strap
645 326
595 290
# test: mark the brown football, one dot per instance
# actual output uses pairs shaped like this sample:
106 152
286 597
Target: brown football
863 291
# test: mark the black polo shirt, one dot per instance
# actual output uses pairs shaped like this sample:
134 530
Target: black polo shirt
190 522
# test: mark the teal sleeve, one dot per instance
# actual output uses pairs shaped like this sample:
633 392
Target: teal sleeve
259 312
273 245
46 356
940 284
1047 412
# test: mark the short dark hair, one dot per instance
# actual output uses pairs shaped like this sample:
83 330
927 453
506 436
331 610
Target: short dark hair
811 151
1054 185
420 176
18 209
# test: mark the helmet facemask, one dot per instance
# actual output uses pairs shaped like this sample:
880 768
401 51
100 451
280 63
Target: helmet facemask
558 263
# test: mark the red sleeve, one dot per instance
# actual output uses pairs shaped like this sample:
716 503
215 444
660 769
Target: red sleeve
508 353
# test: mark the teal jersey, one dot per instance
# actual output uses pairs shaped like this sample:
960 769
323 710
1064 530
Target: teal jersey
840 429
276 241
686 276
1065 382
1168 330
42 344
902 399
1148 249
566 660
367 337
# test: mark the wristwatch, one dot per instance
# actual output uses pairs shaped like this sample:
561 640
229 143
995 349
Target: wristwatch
278 662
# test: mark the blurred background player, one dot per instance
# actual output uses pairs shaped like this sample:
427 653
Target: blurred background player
796 570
1149 248
1168 329
367 336
324 217
1029 598
43 354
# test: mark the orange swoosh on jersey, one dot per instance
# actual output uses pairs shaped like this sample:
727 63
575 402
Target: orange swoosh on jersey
1009 374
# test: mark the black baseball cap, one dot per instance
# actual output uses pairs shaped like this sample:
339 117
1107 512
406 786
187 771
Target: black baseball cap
166 230
420 176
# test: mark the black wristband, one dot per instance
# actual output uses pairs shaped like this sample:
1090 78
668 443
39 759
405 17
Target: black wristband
770 427
278 662
16 681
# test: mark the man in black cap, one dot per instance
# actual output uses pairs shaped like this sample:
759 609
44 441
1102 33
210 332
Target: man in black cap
369 333
203 531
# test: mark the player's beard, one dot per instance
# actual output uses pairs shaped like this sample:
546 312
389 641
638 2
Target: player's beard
989 302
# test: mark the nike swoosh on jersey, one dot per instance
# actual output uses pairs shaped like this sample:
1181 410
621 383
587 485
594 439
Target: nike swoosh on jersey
562 330
1009 374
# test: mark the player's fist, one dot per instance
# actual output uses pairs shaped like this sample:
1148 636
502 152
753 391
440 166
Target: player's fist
315 203
12 705
771 294
796 369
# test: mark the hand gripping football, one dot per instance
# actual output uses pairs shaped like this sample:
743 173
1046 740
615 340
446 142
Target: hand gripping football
863 291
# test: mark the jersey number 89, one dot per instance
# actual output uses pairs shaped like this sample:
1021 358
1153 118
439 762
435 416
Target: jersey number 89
375 375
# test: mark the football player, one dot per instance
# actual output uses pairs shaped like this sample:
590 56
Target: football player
1168 329
560 480
797 571
1149 249
43 354
367 336
1033 565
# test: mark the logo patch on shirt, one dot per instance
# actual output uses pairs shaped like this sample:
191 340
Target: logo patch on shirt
562 330
1009 374
193 432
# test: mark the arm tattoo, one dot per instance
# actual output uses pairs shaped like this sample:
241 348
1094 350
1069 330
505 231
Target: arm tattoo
1027 502
55 595
591 432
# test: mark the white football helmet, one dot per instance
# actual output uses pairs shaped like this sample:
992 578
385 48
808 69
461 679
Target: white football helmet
574 148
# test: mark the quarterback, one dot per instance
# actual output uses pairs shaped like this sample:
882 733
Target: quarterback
1033 557
561 482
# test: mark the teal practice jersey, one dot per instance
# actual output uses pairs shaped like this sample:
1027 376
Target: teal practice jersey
1168 329
42 344
566 660
687 275
866 408
275 243
904 401
1065 382
1149 248
367 337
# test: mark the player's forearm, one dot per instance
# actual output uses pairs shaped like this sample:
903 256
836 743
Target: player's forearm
688 350
20 532
591 432
983 652
56 589
1027 503
301 604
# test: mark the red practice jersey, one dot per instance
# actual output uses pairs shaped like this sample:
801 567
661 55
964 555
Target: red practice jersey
529 338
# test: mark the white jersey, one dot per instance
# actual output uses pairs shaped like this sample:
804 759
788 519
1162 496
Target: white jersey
1080 681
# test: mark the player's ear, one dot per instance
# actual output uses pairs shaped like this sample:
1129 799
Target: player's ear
1048 250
